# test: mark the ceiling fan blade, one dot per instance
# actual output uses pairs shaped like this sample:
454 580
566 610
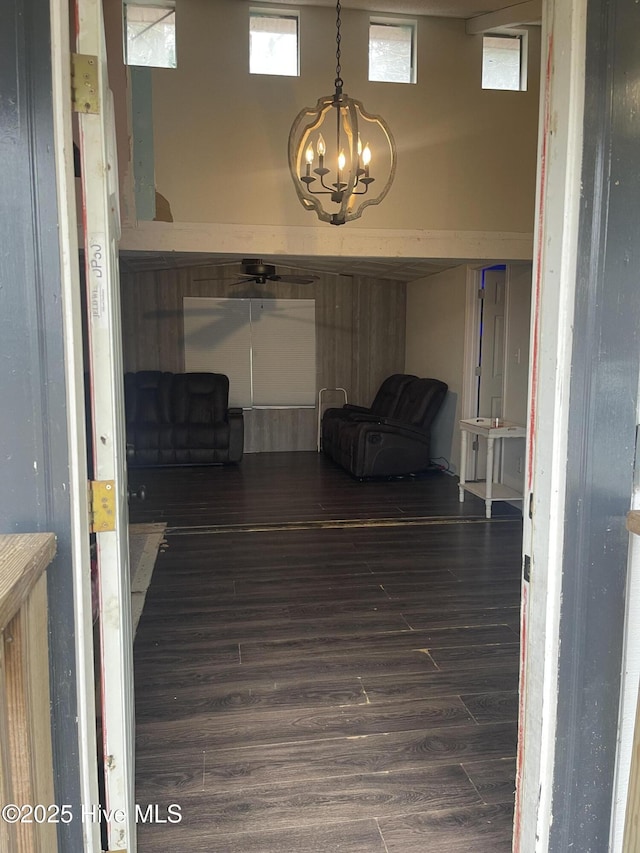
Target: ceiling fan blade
224 280
244 280
295 279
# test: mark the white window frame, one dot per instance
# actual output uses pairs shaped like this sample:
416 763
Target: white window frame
385 21
523 37
170 7
279 13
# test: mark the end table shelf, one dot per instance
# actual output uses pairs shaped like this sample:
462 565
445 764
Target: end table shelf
491 429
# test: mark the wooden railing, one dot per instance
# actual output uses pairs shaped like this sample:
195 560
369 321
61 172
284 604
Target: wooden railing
633 521
632 822
26 764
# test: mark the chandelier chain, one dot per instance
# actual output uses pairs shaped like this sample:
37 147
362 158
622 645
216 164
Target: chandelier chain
338 81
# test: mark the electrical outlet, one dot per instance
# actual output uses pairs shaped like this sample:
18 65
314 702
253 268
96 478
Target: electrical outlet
519 465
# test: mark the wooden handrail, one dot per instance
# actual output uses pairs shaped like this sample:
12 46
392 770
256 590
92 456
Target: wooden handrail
26 761
23 558
632 820
633 521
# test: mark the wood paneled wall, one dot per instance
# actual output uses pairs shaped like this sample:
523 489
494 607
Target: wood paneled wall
360 337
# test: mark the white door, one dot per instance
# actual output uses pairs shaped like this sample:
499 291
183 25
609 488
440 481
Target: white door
491 356
101 235
492 345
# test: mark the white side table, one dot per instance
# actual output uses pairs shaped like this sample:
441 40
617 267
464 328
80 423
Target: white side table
491 429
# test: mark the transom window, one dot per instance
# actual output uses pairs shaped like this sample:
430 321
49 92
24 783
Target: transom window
392 50
151 33
503 62
273 43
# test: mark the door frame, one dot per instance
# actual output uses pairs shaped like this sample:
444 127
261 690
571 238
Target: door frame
101 235
584 367
560 139
87 748
468 403
118 771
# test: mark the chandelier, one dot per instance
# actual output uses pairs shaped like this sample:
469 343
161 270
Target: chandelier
341 158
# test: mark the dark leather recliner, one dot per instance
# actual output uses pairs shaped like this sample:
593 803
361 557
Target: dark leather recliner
384 404
181 419
384 447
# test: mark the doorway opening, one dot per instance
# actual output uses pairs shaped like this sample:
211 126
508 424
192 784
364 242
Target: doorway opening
496 362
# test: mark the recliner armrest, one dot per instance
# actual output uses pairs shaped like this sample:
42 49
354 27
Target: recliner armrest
352 407
366 417
390 422
393 426
343 411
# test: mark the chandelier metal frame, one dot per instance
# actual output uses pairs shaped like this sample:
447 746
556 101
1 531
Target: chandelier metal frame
348 182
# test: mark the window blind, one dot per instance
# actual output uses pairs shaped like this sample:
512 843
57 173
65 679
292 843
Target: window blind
267 347
283 341
217 339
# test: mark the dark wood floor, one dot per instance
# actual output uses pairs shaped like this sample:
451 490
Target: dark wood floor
325 665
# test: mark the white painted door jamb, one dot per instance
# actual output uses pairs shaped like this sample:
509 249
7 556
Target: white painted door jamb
101 219
469 402
471 343
74 369
554 283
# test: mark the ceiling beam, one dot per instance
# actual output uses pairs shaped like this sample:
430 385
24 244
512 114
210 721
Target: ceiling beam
259 241
519 15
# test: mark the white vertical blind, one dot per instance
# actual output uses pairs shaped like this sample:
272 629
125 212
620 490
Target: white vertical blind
217 339
283 339
267 347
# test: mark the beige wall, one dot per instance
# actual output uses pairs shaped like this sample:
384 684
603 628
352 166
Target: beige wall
466 157
434 348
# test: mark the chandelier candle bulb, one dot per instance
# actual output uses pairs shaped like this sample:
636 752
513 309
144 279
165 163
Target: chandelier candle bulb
366 159
309 159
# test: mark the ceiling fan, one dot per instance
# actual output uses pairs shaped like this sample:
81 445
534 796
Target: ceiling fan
254 270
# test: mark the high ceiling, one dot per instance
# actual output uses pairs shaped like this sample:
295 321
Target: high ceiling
398 269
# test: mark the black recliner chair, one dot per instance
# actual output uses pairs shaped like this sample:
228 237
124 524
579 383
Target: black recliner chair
181 419
385 447
384 404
